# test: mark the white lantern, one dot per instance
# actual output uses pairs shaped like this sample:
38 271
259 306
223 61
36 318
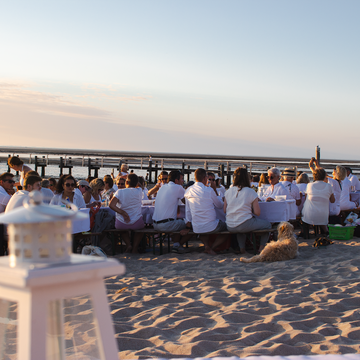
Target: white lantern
43 287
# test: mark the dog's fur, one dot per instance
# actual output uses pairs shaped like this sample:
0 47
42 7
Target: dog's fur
285 248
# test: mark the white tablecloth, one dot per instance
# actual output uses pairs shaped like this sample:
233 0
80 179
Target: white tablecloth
355 196
82 225
277 211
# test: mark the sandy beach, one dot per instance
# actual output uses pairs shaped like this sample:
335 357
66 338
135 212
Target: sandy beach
197 305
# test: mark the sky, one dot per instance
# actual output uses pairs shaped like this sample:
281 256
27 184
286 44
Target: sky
263 78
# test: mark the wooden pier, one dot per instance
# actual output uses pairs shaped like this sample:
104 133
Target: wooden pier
153 163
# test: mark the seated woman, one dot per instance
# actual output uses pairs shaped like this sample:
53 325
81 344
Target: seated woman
127 205
109 191
263 180
97 187
241 204
219 187
17 164
143 188
316 206
302 181
52 184
340 174
65 191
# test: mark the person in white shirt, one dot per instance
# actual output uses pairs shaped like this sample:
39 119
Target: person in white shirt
334 208
219 187
17 164
6 186
127 205
302 181
241 204
109 190
166 209
46 192
162 179
353 179
200 205
31 183
289 176
65 191
275 188
316 206
143 188
340 174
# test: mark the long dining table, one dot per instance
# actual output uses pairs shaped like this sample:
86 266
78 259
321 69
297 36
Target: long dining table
274 211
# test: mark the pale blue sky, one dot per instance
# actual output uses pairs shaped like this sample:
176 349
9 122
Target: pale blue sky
271 78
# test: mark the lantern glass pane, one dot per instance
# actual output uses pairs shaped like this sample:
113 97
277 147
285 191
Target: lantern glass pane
82 335
8 329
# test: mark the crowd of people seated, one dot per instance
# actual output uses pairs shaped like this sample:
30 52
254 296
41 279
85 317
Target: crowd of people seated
210 207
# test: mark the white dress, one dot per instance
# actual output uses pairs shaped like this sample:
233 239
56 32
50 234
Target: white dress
316 206
335 207
345 203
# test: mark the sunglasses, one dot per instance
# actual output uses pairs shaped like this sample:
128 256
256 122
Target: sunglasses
120 183
271 177
69 185
211 179
9 181
163 179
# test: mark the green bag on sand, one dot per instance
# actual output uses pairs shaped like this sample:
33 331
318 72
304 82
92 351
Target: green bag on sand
322 241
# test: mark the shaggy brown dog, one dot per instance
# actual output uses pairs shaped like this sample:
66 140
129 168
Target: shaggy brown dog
285 248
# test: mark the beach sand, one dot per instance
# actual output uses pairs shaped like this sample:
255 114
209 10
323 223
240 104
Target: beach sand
198 305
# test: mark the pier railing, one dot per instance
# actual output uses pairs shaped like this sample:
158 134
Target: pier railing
153 163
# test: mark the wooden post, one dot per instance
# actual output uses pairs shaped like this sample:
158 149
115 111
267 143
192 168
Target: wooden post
317 154
250 168
183 167
150 169
228 175
156 171
188 174
89 167
222 173
205 165
43 167
70 167
9 156
61 166
36 165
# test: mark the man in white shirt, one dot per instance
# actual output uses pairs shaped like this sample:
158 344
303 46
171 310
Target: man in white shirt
289 176
46 192
31 183
276 187
353 179
6 186
201 202
166 208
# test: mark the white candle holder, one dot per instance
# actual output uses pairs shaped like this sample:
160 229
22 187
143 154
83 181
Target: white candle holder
40 278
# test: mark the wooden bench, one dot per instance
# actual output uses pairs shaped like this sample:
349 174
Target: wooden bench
83 236
115 236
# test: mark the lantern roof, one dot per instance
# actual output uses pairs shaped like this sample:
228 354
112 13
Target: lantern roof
35 211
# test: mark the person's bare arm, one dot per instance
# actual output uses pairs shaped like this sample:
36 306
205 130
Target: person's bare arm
256 207
225 206
332 198
154 190
113 206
